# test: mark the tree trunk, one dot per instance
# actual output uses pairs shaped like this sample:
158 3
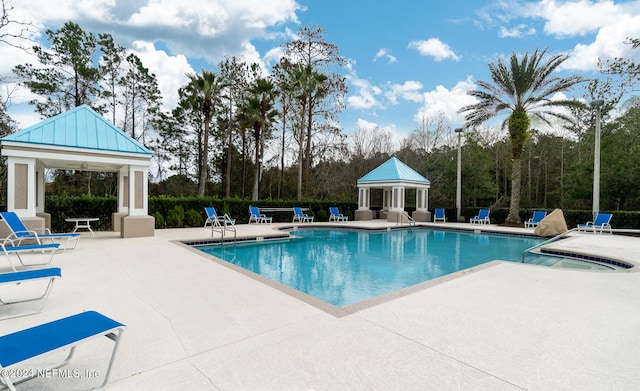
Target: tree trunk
514 206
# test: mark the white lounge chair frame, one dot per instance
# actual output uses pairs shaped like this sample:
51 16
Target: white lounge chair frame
18 278
8 248
600 223
66 333
480 219
20 232
301 217
335 215
256 216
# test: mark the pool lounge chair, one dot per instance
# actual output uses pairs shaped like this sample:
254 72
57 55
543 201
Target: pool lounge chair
481 218
20 232
335 215
256 216
537 217
45 250
20 347
9 298
600 223
301 217
215 220
439 215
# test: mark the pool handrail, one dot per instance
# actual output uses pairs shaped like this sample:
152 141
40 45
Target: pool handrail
553 239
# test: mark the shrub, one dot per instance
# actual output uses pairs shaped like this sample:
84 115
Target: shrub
192 218
159 220
175 217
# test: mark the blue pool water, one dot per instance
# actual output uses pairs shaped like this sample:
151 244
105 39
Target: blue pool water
343 267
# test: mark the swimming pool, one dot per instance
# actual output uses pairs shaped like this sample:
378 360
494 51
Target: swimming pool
343 267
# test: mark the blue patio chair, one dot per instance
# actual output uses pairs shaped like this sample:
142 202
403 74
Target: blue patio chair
67 333
20 232
257 217
537 217
600 223
335 215
215 220
439 216
481 218
21 278
301 217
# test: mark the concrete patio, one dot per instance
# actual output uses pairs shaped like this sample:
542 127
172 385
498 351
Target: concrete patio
194 324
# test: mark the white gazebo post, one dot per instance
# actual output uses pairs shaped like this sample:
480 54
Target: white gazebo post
364 198
422 205
137 222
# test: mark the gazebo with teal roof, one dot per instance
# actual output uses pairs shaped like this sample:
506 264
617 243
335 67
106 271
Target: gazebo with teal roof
393 177
79 139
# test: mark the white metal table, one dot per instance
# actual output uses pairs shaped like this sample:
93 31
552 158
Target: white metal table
82 222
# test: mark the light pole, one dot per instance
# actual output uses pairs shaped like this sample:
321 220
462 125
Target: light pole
596 104
459 182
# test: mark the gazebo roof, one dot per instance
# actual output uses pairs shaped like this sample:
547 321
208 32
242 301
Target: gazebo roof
393 171
81 128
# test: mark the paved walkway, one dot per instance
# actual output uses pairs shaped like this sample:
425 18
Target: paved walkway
194 324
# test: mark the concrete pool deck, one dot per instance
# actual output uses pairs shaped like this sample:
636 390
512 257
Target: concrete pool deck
193 324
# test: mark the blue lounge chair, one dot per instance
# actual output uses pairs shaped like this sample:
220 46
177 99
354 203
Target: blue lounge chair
439 216
8 249
20 347
600 223
335 215
20 232
301 217
19 279
481 218
256 216
215 220
537 217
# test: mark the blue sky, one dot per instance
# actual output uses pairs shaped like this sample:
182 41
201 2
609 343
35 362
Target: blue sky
407 58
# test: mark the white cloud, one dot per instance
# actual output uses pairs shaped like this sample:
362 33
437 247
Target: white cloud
608 45
518 31
409 90
444 101
576 17
384 53
171 71
435 48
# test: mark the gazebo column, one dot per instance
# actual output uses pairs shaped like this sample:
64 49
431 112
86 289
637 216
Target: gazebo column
386 203
137 222
396 208
22 188
123 199
39 180
364 198
422 205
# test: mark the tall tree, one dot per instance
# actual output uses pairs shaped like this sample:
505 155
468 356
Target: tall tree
69 77
204 93
323 58
142 98
113 55
233 74
522 87
305 83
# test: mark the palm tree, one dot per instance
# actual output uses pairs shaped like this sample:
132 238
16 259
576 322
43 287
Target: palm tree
257 113
204 90
523 88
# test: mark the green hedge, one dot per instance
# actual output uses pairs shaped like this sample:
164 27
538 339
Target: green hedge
178 212
189 211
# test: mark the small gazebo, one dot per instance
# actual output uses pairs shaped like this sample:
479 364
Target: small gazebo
79 139
393 177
